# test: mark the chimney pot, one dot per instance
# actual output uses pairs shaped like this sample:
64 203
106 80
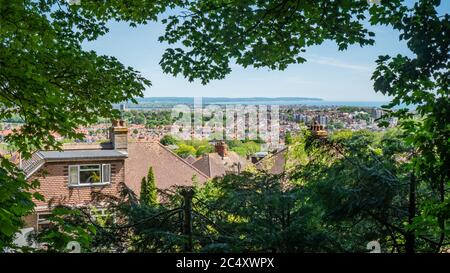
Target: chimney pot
119 135
221 148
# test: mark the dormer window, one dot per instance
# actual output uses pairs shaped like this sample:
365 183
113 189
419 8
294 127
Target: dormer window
89 175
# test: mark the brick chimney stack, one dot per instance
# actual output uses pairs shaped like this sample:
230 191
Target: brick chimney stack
221 148
119 135
318 130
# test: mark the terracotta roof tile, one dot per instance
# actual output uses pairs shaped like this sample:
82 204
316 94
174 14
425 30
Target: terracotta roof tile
274 164
190 159
169 169
213 165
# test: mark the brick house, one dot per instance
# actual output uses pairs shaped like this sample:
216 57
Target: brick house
70 176
220 162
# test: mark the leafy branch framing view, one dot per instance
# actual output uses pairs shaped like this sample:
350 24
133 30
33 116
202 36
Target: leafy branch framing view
355 188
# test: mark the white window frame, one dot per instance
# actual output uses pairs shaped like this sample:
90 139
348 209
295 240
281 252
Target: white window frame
71 183
103 173
41 222
78 184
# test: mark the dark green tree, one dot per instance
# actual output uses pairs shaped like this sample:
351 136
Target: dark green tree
53 85
271 34
149 193
365 184
288 138
275 34
422 79
168 140
259 212
16 195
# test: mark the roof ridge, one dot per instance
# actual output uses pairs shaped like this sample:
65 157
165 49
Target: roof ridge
208 162
209 165
182 160
272 155
32 165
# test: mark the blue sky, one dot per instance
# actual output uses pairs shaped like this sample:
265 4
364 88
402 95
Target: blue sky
329 74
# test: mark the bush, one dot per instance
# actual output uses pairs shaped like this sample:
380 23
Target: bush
168 140
185 150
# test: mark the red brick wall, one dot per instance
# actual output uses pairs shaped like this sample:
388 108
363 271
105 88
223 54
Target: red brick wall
54 179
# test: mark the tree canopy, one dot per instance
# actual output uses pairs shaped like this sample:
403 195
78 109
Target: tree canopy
149 194
53 84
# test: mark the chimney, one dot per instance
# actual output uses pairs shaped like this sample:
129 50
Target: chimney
221 148
318 130
119 135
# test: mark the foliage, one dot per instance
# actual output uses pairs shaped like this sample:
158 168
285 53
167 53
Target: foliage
244 148
421 79
269 34
274 34
15 201
137 227
68 225
288 138
335 196
197 143
204 149
368 179
257 212
194 147
48 80
149 194
151 119
14 118
335 125
363 116
52 84
168 140
350 109
185 150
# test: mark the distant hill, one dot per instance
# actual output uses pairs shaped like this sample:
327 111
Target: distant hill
219 100
164 103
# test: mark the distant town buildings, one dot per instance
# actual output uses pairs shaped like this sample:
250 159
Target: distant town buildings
322 119
377 113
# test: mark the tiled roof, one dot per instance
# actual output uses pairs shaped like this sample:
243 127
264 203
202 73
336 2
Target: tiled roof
190 159
169 168
31 165
203 164
274 164
213 165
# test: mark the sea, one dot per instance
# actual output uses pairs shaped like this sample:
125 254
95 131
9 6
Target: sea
322 103
162 102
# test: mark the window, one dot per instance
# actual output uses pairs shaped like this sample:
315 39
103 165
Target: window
106 173
89 174
43 222
73 175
